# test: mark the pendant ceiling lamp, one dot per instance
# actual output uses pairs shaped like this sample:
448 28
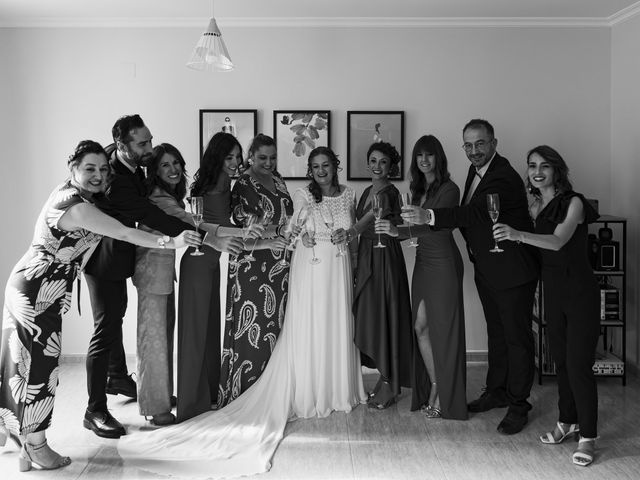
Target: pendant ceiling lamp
210 54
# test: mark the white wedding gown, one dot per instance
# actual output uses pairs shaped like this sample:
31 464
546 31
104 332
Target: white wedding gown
314 370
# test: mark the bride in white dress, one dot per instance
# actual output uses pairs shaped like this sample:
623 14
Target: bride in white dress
314 368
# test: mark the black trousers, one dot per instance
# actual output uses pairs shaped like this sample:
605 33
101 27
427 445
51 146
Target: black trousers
573 326
106 355
510 341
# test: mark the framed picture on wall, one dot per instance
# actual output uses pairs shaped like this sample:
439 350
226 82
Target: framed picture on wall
296 133
243 124
367 127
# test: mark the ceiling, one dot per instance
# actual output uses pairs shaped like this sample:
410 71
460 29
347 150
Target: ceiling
16 13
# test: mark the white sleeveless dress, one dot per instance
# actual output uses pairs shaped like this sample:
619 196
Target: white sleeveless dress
313 370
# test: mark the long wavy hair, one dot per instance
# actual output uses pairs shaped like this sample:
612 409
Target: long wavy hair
560 170
154 180
418 185
212 162
391 152
314 188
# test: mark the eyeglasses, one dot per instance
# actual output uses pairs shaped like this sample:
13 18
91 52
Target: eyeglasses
479 145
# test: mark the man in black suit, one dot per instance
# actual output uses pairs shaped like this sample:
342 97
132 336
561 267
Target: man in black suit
113 262
506 281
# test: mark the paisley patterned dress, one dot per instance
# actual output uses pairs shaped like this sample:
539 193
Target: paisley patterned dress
256 293
38 293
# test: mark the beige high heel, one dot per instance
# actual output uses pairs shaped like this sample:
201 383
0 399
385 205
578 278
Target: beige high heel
5 433
36 455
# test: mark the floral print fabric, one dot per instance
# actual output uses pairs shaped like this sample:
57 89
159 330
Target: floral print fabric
38 293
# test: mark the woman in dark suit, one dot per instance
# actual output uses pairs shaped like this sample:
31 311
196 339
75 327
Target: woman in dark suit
571 295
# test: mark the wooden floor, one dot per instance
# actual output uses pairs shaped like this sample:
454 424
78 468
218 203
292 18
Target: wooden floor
366 444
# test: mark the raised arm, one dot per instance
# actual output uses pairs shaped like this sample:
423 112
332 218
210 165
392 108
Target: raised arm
86 216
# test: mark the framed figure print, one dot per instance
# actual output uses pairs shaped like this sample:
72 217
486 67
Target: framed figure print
296 133
242 124
367 127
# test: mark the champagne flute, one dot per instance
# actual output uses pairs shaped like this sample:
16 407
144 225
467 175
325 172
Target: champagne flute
327 218
263 219
310 226
300 220
196 214
493 206
250 219
287 222
405 200
377 212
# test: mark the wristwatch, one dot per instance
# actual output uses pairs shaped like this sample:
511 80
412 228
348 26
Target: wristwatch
162 241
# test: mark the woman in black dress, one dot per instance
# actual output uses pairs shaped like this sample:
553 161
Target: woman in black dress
382 310
571 296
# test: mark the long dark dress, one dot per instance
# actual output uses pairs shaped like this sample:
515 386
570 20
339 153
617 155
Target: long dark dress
38 293
572 311
382 309
437 281
199 316
256 293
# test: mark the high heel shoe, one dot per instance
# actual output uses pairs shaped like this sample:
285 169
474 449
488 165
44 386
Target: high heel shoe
585 452
559 434
430 411
163 419
5 433
41 456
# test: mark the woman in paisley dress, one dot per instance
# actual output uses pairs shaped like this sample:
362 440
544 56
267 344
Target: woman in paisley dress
38 293
258 282
314 368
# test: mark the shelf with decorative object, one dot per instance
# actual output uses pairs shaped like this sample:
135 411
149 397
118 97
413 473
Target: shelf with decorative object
608 258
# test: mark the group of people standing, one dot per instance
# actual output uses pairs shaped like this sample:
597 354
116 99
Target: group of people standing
317 285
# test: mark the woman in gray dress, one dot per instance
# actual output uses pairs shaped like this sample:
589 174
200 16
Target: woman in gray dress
436 289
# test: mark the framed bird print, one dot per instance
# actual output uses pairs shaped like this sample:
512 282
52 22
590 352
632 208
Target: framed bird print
367 127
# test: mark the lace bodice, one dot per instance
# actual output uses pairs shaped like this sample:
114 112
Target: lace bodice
342 210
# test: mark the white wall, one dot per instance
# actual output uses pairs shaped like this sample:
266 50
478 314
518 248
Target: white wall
536 85
625 158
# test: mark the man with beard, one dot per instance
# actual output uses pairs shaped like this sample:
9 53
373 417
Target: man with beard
506 280
113 262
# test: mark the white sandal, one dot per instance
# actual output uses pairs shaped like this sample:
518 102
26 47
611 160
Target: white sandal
585 452
558 435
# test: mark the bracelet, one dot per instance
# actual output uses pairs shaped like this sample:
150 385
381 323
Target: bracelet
162 241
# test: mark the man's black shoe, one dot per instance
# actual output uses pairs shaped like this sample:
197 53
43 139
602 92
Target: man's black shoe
512 423
103 424
487 401
122 385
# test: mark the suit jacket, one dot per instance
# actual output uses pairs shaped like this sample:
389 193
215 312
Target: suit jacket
126 201
155 267
518 264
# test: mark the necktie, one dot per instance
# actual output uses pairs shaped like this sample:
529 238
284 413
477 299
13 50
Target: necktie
474 184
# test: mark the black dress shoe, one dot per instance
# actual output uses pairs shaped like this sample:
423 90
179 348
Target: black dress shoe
513 423
487 401
103 424
173 401
122 385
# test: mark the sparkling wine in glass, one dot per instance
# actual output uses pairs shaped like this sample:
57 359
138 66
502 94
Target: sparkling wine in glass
263 219
310 227
196 214
377 212
250 219
405 205
300 221
287 222
327 218
493 206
